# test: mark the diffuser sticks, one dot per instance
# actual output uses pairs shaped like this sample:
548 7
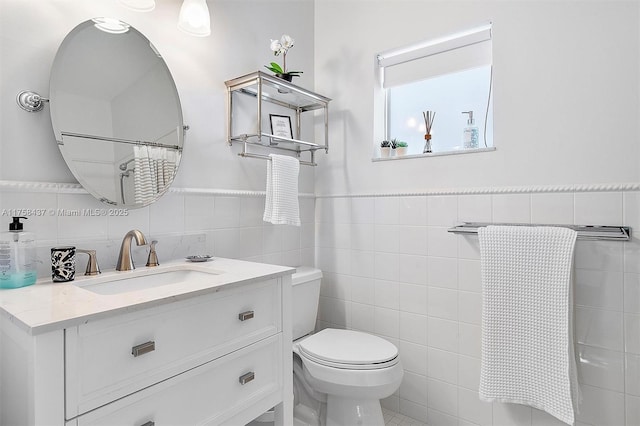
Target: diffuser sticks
428 123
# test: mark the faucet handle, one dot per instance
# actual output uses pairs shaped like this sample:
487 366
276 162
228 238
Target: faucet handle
152 260
92 263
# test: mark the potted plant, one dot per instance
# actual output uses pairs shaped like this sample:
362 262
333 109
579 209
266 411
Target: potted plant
385 148
282 46
401 148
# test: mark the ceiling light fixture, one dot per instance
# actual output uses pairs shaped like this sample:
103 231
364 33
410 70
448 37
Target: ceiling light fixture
194 18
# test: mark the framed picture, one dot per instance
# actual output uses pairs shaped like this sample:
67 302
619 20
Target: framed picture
281 126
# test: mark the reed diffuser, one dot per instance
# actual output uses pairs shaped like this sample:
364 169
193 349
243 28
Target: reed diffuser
428 123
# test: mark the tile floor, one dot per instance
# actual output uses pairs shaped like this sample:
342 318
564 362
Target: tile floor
391 418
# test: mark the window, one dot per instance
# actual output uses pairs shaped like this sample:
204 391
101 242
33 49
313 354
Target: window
451 76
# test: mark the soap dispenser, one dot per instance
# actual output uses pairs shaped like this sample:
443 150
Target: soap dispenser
470 132
17 256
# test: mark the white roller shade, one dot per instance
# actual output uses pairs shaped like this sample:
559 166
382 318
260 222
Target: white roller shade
463 51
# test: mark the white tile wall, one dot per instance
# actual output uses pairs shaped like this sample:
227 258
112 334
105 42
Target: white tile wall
391 268
225 226
413 281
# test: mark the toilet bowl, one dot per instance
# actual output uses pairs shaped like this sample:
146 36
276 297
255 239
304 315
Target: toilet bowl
344 372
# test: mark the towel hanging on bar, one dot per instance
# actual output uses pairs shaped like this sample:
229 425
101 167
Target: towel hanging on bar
528 353
281 203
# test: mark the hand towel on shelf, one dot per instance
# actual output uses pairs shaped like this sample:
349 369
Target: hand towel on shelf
281 204
527 310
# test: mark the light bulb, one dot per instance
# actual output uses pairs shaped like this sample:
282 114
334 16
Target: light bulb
194 18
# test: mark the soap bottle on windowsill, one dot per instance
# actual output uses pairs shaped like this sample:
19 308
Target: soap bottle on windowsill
470 133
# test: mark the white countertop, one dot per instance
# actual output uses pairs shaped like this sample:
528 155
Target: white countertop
47 306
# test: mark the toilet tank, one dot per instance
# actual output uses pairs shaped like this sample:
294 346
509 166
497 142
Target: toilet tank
305 296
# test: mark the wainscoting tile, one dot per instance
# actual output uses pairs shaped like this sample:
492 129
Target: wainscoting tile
412 269
413 329
600 328
599 289
413 298
413 211
511 208
414 357
552 208
598 208
442 365
387 211
602 368
475 208
442 397
632 293
442 210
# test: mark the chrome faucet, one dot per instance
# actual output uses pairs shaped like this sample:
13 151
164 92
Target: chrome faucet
125 262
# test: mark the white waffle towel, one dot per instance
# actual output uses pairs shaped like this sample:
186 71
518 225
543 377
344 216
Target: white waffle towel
527 309
281 204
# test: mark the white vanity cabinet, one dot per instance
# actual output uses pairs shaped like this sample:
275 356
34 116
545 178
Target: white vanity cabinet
219 392
222 357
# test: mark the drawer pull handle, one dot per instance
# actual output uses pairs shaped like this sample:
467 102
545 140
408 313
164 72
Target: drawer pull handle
243 316
149 423
246 378
142 349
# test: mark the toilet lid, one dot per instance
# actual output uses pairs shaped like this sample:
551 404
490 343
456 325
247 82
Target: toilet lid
348 348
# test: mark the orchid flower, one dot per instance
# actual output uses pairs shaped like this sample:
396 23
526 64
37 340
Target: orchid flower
278 47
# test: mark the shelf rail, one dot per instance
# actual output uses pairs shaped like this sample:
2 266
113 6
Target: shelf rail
585 232
266 157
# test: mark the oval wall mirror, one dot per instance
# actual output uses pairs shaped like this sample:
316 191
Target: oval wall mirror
116 113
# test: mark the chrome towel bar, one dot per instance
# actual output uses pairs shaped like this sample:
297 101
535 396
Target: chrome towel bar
585 232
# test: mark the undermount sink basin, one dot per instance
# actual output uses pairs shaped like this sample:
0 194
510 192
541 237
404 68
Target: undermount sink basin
124 284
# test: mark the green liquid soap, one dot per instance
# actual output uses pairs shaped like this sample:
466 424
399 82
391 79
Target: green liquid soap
17 280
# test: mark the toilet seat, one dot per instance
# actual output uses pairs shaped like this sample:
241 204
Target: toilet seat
348 349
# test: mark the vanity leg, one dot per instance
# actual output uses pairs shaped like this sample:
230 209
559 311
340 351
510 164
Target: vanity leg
284 410
283 415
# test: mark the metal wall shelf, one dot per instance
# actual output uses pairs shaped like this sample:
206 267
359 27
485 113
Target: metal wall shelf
585 232
266 88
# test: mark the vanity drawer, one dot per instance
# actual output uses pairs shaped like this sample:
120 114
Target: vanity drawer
110 358
207 395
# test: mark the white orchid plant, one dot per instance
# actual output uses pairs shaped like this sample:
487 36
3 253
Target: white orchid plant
281 47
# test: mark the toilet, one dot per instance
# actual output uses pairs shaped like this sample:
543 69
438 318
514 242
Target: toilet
339 375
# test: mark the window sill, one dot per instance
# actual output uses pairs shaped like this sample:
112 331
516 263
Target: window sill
435 154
